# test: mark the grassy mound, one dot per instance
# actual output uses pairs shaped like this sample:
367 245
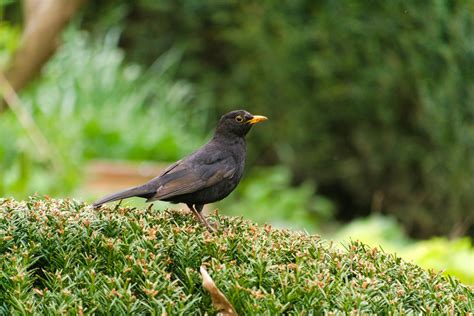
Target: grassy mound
62 256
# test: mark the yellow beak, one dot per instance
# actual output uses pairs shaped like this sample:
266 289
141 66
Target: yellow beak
257 119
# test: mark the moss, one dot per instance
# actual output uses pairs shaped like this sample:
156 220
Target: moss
62 256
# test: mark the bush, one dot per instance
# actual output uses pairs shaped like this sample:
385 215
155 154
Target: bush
61 256
454 257
373 101
276 202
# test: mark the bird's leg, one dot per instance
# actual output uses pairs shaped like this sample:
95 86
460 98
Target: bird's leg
193 210
196 209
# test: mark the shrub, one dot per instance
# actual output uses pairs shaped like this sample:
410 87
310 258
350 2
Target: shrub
453 256
61 256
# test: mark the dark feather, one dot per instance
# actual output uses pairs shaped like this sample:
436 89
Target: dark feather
143 191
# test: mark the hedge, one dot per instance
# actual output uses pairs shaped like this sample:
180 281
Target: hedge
62 256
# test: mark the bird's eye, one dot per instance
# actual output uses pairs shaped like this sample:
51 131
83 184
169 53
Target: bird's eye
239 119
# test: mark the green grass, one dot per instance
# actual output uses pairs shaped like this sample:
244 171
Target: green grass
61 256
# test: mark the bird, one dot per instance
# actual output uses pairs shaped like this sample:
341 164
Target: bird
207 175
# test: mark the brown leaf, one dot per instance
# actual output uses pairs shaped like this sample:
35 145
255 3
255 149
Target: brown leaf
219 301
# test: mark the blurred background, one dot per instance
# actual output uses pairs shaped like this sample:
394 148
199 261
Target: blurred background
371 107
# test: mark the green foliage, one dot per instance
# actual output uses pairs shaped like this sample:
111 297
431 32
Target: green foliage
89 104
268 192
369 99
61 256
9 38
454 257
374 230
117 110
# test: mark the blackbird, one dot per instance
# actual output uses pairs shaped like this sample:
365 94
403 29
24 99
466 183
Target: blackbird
207 175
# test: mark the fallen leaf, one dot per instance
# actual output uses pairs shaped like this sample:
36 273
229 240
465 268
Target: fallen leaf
219 301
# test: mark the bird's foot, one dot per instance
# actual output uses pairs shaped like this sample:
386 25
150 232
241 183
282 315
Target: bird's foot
211 227
215 225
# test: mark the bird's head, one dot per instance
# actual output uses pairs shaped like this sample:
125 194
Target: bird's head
238 123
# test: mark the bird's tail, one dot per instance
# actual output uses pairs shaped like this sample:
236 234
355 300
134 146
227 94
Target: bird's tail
140 191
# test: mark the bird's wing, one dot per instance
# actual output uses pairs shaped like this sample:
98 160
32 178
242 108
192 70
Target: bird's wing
190 176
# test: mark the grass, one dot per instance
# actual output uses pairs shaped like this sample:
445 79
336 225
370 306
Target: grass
62 257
